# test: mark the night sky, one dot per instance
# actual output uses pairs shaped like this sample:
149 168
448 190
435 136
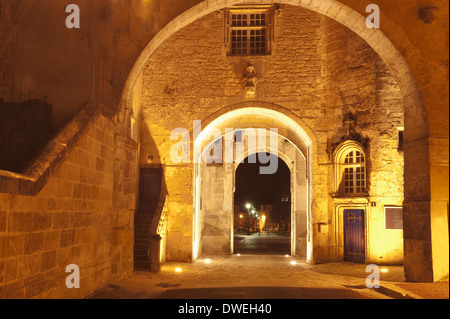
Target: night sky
259 189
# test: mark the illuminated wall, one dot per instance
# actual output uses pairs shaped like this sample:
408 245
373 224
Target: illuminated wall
319 71
94 63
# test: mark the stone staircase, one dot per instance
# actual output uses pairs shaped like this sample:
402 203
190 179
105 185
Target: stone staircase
147 242
142 224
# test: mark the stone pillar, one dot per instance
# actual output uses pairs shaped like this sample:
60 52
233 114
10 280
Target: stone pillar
217 196
301 206
426 237
416 219
439 180
180 212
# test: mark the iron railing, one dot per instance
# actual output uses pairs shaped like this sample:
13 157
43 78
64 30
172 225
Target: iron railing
12 91
15 98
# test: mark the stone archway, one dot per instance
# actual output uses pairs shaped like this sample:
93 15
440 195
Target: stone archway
418 245
214 184
350 18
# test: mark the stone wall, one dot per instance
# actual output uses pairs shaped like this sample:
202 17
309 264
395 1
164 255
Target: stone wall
318 70
74 219
357 83
73 66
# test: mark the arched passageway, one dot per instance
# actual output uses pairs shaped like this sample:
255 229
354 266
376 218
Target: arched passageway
252 130
417 173
262 207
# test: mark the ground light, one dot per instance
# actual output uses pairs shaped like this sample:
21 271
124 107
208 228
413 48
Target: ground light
178 269
293 263
207 261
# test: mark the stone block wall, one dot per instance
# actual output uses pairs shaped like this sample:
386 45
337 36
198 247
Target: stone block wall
318 70
37 47
74 219
359 84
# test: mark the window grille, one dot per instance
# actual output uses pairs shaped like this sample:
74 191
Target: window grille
249 31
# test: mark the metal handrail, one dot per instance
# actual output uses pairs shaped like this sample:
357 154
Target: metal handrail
18 123
12 91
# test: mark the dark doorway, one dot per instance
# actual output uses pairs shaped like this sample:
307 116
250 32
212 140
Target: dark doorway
151 195
354 240
262 211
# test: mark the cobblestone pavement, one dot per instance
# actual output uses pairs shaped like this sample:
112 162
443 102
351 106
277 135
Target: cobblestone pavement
261 277
262 243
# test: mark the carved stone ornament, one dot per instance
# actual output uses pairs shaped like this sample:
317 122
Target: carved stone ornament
250 80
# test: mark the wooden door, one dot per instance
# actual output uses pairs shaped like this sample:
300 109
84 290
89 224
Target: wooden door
149 190
354 239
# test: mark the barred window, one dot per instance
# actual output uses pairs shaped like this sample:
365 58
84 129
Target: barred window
249 31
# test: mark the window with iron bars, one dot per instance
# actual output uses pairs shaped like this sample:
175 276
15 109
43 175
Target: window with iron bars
249 31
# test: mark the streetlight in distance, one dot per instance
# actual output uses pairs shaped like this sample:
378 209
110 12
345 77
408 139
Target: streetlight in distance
254 214
248 206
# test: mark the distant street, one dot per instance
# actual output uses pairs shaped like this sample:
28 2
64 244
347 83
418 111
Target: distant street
262 244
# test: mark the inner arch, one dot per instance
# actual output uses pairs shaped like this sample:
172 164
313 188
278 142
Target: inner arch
262 208
215 185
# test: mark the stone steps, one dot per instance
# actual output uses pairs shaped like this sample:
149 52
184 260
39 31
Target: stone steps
141 241
141 265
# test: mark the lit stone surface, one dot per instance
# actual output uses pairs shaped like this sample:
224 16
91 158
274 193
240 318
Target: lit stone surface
319 71
77 203
73 220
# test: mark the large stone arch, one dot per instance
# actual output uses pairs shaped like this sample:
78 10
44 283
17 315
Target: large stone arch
418 241
350 18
